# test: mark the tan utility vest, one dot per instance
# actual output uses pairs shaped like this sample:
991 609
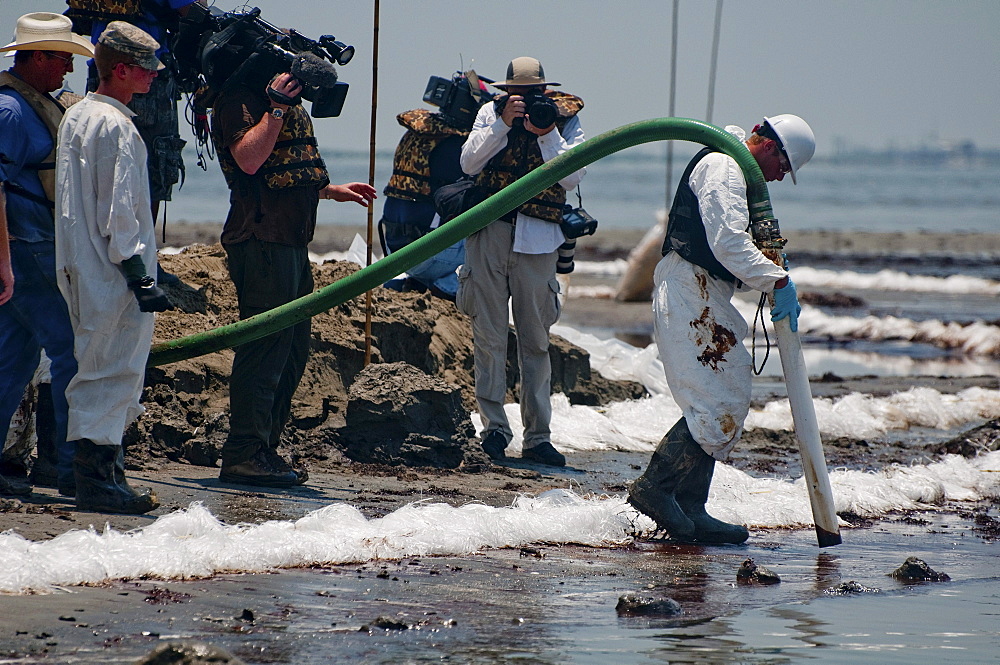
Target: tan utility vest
51 113
522 155
411 165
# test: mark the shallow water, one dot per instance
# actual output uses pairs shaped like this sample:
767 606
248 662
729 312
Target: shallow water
503 607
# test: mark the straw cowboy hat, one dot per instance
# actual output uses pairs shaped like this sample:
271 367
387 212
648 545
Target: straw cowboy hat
524 71
45 31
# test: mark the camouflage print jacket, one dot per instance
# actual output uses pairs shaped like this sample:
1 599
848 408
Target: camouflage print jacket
411 166
522 155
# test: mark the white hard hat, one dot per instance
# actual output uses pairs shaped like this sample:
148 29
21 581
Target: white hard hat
796 138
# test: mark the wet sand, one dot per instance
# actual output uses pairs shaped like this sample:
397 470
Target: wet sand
540 604
516 606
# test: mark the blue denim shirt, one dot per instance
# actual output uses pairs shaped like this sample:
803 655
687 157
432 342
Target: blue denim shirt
24 139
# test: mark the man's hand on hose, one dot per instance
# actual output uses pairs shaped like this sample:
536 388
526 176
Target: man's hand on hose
150 297
786 303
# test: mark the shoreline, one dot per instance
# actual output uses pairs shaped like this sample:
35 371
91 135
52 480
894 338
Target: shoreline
616 243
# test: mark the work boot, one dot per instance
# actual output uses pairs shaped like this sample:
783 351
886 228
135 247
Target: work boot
281 464
12 487
44 470
53 465
101 485
654 492
544 453
495 443
692 498
259 471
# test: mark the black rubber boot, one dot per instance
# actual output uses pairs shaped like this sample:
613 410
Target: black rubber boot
53 466
101 485
693 495
654 492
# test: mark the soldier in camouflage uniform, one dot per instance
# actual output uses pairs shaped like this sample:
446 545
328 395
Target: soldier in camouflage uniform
273 168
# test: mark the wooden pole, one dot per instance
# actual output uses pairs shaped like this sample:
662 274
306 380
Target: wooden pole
371 181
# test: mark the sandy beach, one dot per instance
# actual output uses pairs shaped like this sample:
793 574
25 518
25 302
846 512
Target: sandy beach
481 608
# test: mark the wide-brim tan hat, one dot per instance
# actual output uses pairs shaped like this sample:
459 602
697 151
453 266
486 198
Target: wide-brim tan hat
45 31
525 71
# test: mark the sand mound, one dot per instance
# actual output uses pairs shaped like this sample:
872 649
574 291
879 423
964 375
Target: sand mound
187 402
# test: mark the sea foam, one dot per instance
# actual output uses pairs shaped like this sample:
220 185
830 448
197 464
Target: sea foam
193 543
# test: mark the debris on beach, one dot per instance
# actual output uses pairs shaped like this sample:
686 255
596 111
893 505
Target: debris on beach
850 588
986 527
635 605
981 439
914 569
833 300
750 573
188 653
383 623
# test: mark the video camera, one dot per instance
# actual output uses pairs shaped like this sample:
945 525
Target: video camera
541 110
216 47
459 97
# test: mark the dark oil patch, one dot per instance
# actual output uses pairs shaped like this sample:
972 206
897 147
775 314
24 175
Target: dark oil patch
722 339
702 280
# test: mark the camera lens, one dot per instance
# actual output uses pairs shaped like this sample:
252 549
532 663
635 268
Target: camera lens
542 113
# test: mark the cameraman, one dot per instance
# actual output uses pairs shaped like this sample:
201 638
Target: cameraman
427 157
269 156
514 258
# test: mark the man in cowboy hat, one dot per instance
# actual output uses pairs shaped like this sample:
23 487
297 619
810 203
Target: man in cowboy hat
105 254
514 258
33 313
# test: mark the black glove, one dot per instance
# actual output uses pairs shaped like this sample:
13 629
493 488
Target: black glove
151 297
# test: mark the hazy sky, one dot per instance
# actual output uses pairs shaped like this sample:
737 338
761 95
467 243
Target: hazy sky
876 72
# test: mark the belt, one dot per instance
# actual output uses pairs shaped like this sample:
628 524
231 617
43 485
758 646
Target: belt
509 217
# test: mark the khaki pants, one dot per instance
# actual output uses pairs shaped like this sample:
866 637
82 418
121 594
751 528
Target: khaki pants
493 274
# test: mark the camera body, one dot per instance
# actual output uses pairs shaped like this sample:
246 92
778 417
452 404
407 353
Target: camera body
214 47
540 109
456 99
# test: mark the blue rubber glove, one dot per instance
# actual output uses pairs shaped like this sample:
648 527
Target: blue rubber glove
786 303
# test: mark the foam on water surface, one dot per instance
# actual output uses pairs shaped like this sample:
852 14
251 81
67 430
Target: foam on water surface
192 543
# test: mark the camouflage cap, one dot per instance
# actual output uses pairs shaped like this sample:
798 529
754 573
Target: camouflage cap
127 38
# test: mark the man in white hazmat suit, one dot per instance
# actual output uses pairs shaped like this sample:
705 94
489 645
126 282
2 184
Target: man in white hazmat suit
105 254
707 253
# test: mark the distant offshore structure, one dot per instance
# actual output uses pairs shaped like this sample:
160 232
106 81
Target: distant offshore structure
933 153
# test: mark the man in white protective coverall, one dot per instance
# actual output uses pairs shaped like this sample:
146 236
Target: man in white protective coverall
105 254
707 253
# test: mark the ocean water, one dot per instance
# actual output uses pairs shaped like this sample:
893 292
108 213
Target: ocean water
625 190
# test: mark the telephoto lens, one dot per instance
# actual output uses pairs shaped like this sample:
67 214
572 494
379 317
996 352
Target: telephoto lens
564 262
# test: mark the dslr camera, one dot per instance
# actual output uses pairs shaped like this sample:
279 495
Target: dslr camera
541 110
459 97
212 47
